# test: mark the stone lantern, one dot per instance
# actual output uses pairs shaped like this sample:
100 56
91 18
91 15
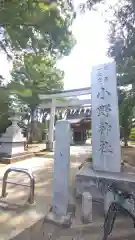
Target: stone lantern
12 141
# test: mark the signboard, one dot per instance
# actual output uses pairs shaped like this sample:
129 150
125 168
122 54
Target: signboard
105 121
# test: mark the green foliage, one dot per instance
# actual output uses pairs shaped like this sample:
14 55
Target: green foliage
126 114
132 134
34 74
25 25
122 49
38 33
5 103
122 44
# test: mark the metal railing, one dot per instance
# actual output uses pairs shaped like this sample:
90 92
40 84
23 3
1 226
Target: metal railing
20 170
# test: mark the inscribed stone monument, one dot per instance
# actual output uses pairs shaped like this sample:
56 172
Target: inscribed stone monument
105 121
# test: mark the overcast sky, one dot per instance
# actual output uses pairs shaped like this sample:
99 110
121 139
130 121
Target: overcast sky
90 31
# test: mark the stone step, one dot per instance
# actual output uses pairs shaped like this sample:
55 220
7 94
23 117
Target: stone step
16 158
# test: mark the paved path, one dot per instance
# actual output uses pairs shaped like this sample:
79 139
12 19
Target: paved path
16 215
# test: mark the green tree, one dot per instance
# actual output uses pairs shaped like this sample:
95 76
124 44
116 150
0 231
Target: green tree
126 114
122 49
122 44
32 75
5 107
27 26
43 29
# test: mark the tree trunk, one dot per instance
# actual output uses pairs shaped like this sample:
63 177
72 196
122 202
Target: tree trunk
32 126
125 140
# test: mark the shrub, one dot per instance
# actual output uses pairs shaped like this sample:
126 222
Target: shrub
132 134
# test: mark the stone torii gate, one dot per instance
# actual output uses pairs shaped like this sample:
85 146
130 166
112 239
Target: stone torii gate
66 95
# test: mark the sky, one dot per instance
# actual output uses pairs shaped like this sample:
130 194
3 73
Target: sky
90 31
5 66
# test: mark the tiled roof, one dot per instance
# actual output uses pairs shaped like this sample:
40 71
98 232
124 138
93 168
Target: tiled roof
78 120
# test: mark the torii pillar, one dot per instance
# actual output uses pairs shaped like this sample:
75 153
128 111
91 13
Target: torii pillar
51 127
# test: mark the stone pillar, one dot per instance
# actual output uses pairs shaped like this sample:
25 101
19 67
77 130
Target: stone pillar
51 127
71 138
61 168
86 207
62 211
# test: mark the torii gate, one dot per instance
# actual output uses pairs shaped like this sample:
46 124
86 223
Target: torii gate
60 103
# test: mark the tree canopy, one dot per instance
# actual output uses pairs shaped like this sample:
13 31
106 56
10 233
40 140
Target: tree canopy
34 74
122 44
126 114
31 75
28 26
122 49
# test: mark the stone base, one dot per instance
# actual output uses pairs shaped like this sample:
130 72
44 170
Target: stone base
15 158
97 182
49 146
64 221
8 147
